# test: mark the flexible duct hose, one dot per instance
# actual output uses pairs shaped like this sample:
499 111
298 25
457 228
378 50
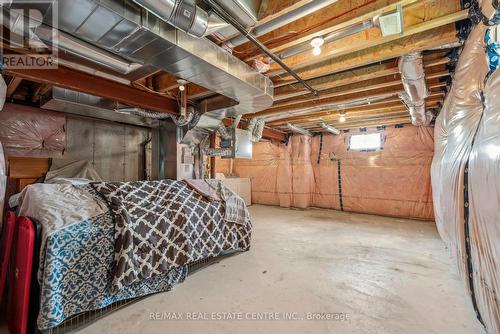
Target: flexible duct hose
256 128
181 120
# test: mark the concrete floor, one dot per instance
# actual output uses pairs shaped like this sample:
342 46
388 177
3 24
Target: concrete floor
384 275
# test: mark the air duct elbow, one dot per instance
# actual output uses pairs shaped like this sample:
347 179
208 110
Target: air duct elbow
223 132
256 129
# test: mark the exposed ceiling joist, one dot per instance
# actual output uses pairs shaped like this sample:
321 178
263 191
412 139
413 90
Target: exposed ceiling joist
68 78
372 12
340 48
415 43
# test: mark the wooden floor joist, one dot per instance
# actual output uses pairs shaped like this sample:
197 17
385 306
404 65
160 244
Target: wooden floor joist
79 81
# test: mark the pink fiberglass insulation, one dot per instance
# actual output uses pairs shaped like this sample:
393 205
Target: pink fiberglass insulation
394 181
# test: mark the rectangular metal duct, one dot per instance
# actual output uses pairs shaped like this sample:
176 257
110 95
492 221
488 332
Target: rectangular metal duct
76 103
125 29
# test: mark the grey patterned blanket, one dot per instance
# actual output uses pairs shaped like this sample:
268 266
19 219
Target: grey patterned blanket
161 225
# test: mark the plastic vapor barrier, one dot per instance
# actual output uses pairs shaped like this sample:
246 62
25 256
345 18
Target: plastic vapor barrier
466 175
3 183
394 181
31 132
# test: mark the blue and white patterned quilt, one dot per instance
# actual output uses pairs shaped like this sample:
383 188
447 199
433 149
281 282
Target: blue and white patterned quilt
76 273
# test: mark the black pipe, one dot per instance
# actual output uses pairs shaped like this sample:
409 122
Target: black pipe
232 21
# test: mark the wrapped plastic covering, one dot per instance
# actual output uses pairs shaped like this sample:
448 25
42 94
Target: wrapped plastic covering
32 132
484 201
466 175
454 132
394 181
3 183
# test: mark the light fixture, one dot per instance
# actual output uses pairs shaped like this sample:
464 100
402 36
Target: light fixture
182 84
342 117
316 43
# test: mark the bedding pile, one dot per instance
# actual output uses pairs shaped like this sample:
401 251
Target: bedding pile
93 257
161 225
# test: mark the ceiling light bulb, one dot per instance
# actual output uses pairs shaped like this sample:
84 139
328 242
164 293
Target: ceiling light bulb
316 51
342 117
317 42
182 88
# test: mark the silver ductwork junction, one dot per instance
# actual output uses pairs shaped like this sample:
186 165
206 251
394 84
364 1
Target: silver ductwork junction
411 67
129 31
184 15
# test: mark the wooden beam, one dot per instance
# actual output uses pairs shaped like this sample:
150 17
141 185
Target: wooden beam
395 101
359 87
415 43
348 77
12 86
334 115
373 11
344 47
79 81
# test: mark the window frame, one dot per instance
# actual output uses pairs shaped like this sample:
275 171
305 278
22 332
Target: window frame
382 142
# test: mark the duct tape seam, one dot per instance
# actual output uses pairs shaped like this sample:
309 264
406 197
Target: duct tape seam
320 148
339 169
468 247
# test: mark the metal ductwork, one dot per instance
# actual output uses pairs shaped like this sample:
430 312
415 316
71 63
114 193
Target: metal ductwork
412 71
184 15
77 103
299 130
129 31
330 128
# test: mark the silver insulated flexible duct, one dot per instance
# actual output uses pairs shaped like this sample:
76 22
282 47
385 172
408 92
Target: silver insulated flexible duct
411 67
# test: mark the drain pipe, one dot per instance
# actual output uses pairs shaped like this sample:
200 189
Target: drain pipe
411 67
232 21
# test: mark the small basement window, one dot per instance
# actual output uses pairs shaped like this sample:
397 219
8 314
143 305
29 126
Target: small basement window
368 142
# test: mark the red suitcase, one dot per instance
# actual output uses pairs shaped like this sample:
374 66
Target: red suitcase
5 247
19 297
